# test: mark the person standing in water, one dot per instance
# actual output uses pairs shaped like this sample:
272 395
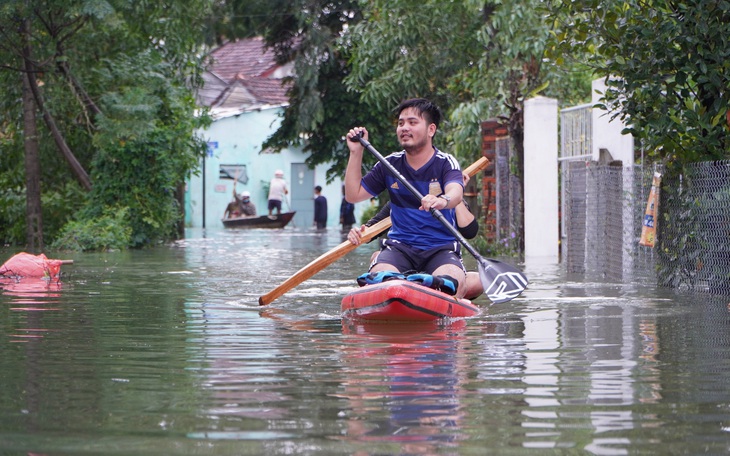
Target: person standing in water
320 209
277 192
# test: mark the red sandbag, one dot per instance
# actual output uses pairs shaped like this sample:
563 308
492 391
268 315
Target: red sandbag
27 265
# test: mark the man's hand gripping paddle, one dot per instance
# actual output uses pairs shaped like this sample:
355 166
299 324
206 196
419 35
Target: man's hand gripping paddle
502 282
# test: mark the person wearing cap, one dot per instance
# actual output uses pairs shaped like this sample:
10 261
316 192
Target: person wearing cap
277 191
245 204
240 206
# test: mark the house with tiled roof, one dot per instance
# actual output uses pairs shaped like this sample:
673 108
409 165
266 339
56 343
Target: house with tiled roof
244 76
245 92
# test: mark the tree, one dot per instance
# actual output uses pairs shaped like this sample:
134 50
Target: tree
322 108
407 48
667 66
115 77
479 60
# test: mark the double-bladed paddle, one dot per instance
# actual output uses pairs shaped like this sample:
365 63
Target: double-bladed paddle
502 282
343 249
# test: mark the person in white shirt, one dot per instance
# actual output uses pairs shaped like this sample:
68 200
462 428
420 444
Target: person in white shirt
277 191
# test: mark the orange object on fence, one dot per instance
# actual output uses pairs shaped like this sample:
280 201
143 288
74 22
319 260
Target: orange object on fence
28 265
648 227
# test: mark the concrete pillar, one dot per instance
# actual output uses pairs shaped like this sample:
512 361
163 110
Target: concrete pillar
541 178
607 136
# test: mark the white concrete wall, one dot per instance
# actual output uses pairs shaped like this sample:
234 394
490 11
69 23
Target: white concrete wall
607 133
541 178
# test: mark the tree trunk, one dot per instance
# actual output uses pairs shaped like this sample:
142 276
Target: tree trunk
33 212
180 197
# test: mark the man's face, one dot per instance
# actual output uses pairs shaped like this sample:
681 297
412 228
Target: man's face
413 132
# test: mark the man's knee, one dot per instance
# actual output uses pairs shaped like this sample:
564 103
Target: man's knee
455 272
378 267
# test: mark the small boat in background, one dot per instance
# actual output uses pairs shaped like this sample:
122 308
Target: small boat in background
259 221
401 300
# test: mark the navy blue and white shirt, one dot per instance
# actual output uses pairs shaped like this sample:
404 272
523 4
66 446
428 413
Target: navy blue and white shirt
414 227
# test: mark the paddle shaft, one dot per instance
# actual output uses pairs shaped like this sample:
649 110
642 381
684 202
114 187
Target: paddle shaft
322 262
343 249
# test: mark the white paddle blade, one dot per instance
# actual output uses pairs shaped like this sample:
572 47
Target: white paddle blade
501 281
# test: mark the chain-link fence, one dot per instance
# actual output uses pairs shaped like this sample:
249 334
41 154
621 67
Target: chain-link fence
692 251
594 220
602 209
694 229
508 198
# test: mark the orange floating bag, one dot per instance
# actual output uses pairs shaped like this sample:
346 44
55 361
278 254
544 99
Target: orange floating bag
28 265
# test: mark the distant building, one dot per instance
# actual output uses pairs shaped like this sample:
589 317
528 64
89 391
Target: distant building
246 96
244 76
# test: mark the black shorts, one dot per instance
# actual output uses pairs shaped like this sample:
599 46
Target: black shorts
275 204
408 259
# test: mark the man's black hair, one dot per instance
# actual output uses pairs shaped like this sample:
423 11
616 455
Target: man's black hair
425 109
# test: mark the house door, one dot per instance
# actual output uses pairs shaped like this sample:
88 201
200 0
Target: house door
302 194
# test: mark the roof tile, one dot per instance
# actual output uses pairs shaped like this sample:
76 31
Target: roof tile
244 75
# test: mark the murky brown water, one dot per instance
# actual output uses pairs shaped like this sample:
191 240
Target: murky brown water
167 352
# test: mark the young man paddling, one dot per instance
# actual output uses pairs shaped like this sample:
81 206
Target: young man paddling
417 241
466 223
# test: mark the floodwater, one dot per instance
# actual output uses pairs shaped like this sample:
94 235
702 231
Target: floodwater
166 351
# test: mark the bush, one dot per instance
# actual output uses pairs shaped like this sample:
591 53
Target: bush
368 213
110 231
12 216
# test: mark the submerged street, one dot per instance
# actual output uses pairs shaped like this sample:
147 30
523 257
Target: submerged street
166 351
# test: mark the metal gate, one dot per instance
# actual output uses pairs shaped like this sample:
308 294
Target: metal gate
576 132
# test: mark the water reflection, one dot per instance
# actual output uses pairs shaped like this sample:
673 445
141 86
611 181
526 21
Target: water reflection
27 298
403 384
598 386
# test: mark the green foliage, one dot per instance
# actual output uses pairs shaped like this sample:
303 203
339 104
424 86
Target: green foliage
108 231
410 48
481 69
61 204
368 213
406 49
118 78
12 213
142 176
233 19
61 196
506 247
669 68
321 108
